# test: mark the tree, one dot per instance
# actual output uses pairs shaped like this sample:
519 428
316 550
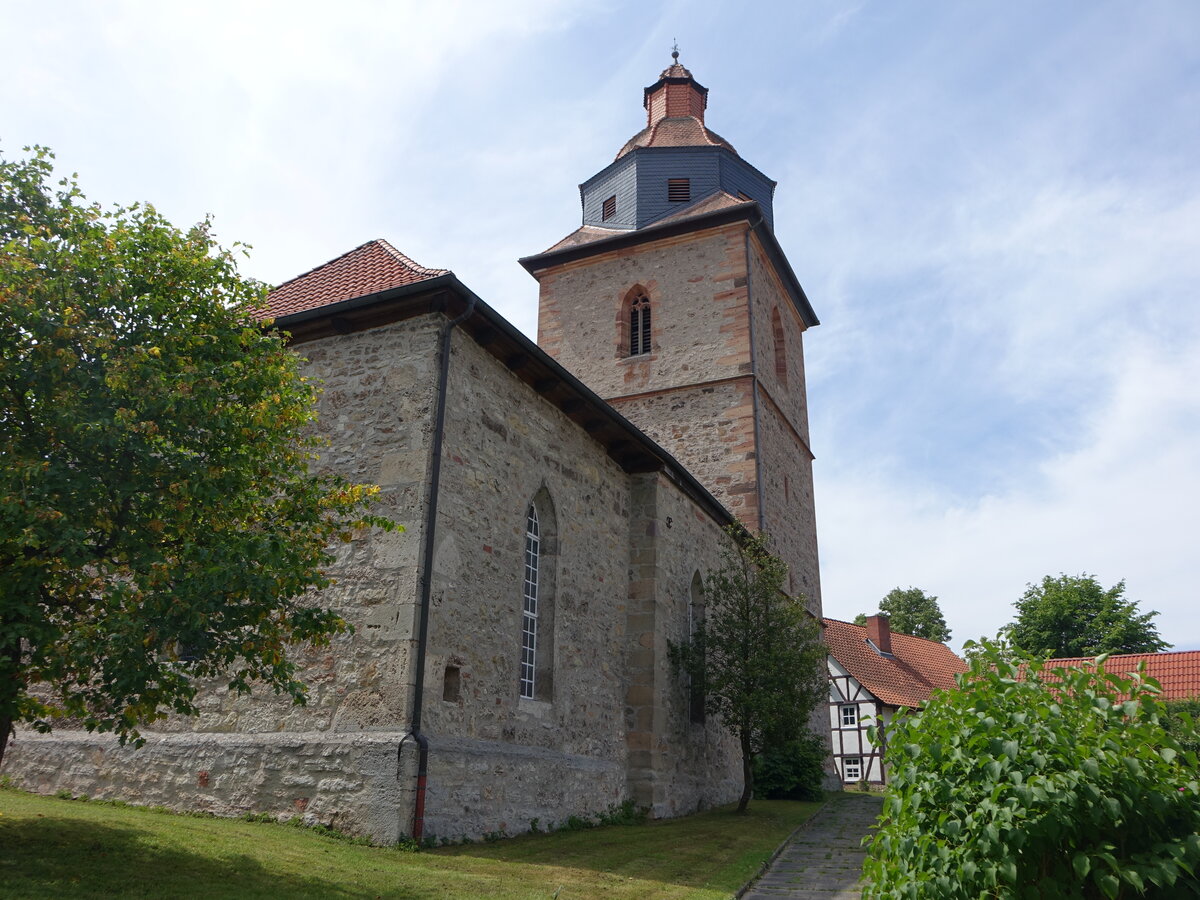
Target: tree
1029 781
757 653
1072 615
912 611
159 521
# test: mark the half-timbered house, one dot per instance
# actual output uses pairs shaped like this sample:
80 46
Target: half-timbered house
872 674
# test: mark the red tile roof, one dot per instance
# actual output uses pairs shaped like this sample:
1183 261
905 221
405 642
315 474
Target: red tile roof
373 267
916 669
1178 672
678 131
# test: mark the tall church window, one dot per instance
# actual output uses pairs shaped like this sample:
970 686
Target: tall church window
537 601
529 620
639 325
695 620
780 346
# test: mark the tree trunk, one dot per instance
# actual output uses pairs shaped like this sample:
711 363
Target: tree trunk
747 772
10 664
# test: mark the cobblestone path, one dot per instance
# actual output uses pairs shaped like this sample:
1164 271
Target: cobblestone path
824 860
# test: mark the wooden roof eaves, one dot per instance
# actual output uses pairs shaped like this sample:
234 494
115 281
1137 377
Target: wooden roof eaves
750 212
628 446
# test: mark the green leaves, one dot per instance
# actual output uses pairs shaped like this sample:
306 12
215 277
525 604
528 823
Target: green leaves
1065 784
1072 616
158 519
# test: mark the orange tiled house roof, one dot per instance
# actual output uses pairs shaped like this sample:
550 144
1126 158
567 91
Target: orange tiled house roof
368 269
1178 672
916 669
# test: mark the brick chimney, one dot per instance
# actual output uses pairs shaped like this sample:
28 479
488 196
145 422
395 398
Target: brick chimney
879 633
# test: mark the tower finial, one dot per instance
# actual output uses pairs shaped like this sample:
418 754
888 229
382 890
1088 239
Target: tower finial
675 50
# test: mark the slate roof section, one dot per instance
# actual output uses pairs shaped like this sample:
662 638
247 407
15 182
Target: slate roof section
367 269
677 131
917 668
1178 672
586 234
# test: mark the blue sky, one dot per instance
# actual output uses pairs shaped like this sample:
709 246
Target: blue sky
994 208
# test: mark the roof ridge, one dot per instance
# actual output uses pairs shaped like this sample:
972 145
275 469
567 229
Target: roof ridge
406 260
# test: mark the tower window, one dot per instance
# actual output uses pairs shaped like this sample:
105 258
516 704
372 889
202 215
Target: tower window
781 371
609 208
679 190
639 325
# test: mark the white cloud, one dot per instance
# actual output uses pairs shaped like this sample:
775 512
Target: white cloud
1124 505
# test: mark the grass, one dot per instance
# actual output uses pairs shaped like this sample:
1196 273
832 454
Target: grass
51 847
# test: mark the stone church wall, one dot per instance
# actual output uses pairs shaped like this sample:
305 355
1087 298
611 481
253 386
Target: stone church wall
497 760
333 760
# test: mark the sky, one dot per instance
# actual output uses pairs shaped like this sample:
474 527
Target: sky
994 208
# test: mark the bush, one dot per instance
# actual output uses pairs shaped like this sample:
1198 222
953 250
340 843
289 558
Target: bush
1047 783
792 770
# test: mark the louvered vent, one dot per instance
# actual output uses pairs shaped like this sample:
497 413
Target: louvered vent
609 208
679 189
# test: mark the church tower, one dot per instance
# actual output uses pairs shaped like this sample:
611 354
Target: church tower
675 303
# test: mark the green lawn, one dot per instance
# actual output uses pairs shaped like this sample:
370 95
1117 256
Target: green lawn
68 848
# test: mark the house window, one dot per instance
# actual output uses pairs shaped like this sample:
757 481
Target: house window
529 622
609 208
679 190
849 714
852 768
639 325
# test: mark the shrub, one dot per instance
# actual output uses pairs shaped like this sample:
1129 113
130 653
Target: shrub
1038 783
792 770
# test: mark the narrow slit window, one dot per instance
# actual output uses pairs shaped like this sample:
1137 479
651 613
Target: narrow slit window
529 620
639 325
679 190
452 685
609 208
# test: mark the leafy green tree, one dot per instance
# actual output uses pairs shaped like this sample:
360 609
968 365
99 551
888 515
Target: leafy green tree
1072 615
1031 782
159 520
757 653
912 611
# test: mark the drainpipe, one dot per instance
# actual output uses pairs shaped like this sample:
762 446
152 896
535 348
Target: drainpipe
431 505
754 381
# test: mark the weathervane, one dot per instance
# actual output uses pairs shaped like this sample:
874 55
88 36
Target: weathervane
675 50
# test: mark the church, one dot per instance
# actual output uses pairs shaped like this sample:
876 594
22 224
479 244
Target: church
562 501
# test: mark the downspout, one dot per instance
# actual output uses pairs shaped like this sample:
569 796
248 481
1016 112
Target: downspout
754 381
431 506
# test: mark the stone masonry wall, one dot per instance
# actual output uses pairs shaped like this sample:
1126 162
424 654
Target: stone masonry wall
676 766
333 760
697 289
497 760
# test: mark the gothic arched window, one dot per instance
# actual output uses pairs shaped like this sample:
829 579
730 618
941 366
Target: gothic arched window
695 620
639 325
529 619
780 346
537 602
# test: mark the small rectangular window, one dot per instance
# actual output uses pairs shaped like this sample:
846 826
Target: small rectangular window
609 208
452 685
852 768
849 715
679 189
